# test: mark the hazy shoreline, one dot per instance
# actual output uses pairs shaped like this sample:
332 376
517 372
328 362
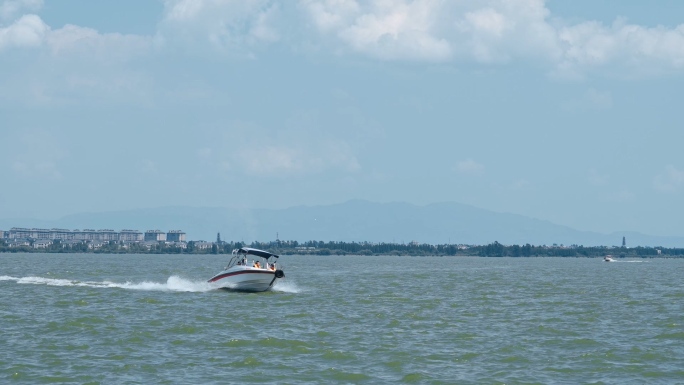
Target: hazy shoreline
321 248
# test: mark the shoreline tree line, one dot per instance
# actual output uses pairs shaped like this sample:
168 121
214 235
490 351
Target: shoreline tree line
322 248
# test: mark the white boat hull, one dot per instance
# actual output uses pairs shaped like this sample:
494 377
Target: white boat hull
245 278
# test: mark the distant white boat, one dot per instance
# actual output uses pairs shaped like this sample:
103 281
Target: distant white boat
245 275
608 258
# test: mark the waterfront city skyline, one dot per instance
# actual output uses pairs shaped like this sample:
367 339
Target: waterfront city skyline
563 111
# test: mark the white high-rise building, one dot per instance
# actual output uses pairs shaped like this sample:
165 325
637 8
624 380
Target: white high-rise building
155 235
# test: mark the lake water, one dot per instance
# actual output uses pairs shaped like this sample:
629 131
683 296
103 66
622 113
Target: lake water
152 319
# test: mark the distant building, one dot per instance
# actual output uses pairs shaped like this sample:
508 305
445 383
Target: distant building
201 245
107 235
127 235
42 244
154 235
304 249
23 233
87 235
70 243
149 244
175 236
181 245
13 233
94 245
18 243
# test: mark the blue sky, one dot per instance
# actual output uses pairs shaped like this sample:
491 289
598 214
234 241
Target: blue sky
568 111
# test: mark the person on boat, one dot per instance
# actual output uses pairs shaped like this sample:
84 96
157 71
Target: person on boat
257 264
272 267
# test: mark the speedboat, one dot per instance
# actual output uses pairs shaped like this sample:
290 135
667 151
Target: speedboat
244 275
608 258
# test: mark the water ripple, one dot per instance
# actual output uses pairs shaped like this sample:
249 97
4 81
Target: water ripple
121 319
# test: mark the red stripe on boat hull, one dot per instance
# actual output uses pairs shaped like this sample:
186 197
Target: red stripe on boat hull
240 272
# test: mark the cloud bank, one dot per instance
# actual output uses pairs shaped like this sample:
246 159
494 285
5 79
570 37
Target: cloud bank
486 32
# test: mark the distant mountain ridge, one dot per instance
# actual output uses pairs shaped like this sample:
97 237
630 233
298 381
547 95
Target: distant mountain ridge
354 220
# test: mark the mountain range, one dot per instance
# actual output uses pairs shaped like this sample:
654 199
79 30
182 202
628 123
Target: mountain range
355 220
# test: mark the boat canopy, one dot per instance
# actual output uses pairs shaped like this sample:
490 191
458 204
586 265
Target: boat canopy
257 252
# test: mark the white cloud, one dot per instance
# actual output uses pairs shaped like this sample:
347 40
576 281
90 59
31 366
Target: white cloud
298 148
330 15
69 63
480 31
591 45
488 21
431 30
72 39
28 31
500 31
494 31
227 25
276 160
670 180
483 31
400 32
9 9
469 166
389 30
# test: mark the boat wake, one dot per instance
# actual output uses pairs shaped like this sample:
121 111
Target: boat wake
173 284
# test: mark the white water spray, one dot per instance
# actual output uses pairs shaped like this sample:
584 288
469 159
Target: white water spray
286 287
173 284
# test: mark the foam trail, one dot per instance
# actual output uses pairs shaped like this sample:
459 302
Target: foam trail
173 283
286 287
